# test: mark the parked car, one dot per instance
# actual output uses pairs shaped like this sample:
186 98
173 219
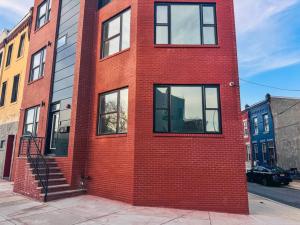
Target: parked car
269 175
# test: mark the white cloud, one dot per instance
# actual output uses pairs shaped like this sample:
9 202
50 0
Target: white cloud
16 7
266 38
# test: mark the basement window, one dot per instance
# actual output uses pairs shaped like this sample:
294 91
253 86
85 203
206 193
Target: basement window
31 123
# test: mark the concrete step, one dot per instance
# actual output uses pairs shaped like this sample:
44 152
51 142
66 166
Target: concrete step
63 194
50 164
51 176
57 181
56 188
43 170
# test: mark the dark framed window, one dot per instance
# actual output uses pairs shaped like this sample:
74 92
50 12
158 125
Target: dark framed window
264 151
266 123
255 124
14 94
187 109
43 13
2 143
116 34
31 122
113 112
37 65
255 150
3 93
102 3
9 55
186 23
21 46
1 57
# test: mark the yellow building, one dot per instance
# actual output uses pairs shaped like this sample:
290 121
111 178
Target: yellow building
13 61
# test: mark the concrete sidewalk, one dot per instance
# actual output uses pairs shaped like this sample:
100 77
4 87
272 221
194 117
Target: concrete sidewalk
90 210
295 184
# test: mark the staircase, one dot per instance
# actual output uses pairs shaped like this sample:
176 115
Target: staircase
58 187
49 180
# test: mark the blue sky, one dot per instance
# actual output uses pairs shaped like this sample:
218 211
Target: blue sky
268 33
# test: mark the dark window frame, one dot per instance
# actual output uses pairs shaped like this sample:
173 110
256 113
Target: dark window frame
35 123
103 40
255 125
255 151
266 124
41 66
46 15
1 58
201 5
204 108
99 115
15 89
3 93
9 55
21 46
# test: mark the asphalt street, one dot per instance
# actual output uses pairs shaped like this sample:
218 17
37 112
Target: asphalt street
280 194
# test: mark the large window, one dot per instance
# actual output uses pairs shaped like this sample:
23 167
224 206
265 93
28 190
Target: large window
113 112
116 34
14 94
185 23
9 55
43 15
255 150
266 123
31 121
21 46
246 132
3 93
264 151
38 65
248 149
187 109
255 124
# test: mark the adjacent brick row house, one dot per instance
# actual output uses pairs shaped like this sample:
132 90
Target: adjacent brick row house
135 100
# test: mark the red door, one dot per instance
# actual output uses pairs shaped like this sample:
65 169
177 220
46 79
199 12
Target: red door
8 155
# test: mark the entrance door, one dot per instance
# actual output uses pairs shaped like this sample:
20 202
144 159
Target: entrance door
8 156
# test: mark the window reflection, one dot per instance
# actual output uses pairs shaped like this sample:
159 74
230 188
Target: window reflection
185 28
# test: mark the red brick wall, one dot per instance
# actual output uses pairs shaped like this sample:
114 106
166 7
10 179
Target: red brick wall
24 183
111 158
203 172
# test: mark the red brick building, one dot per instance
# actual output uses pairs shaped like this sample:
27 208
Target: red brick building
134 100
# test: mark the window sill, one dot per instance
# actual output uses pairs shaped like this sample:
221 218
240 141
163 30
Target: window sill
20 57
188 135
32 82
38 29
184 46
113 55
111 136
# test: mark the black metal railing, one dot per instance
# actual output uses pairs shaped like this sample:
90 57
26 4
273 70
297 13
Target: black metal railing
30 147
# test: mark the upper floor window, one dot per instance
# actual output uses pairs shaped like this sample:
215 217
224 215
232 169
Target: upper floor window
3 93
14 94
21 46
37 65
187 109
245 123
255 149
185 23
1 57
116 34
9 55
102 3
113 112
248 149
31 121
43 13
266 123
255 124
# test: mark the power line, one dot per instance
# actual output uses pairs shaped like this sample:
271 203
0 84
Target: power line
268 86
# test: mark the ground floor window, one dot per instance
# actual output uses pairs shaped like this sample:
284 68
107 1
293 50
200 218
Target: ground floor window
113 112
187 109
31 121
264 151
255 150
248 150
